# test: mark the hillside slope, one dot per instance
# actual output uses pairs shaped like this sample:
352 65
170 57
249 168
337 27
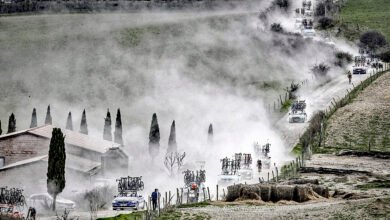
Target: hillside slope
365 121
366 14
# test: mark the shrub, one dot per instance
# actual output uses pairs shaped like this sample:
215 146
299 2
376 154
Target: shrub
320 70
385 56
275 27
325 23
342 58
372 40
320 9
284 4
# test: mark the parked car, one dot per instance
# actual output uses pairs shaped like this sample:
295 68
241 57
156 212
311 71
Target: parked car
128 201
44 201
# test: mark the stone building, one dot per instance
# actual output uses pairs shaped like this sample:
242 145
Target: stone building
24 158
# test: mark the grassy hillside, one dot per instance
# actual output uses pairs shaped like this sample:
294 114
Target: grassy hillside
367 14
364 122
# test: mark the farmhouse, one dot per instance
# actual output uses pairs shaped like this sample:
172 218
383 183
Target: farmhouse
24 156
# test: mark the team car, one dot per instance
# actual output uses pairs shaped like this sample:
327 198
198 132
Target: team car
128 194
297 113
128 201
359 70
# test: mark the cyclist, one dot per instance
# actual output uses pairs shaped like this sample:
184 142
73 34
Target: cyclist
349 74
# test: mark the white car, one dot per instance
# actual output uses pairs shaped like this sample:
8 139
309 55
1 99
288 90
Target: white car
44 201
298 116
128 201
308 13
308 33
246 173
229 179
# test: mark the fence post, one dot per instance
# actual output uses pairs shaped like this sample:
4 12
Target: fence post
188 193
217 192
277 174
181 196
169 198
208 193
268 178
159 208
177 196
166 201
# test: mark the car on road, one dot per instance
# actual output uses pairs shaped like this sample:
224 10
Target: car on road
308 33
246 173
44 201
130 200
226 179
359 70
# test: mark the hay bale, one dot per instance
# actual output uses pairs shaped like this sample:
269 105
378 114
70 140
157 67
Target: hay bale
265 192
320 190
274 196
233 192
250 192
301 193
303 181
284 192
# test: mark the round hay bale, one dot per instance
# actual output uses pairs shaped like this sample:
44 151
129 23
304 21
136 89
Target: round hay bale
265 192
320 190
301 193
250 192
274 196
285 192
303 181
233 192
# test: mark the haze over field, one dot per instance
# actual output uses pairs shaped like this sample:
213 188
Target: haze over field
195 68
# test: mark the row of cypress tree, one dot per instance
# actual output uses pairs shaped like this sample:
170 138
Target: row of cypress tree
154 134
69 124
107 135
154 137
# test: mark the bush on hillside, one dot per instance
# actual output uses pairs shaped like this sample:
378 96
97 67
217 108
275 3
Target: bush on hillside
372 40
343 58
276 27
320 70
283 4
385 56
325 23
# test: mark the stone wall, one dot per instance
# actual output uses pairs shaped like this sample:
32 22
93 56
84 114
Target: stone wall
23 146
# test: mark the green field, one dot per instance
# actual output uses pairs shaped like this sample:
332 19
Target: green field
368 15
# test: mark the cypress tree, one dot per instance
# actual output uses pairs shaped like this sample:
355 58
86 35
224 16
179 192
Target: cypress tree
172 145
11 123
83 124
56 165
69 123
34 122
107 127
118 128
210 134
48 116
154 137
1 131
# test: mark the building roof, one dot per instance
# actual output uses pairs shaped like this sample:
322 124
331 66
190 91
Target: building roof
78 163
23 162
72 162
71 137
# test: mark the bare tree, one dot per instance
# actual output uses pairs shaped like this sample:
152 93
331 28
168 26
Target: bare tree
169 162
179 160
